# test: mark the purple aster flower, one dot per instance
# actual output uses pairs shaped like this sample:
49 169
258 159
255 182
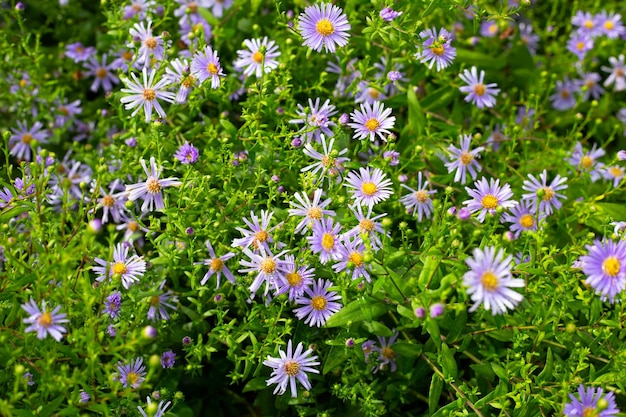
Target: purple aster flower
146 95
291 367
579 44
528 37
605 267
138 8
19 142
132 374
621 155
167 359
189 11
177 73
368 93
419 201
586 23
386 355
84 397
618 73
44 322
297 278
523 217
312 211
372 120
480 94
24 186
78 52
489 281
206 64
463 160
219 6
324 26
111 331
6 196
112 202
325 239
496 137
329 164
158 304
544 195
436 310
351 257
152 47
259 58
368 348
112 304
187 154
591 86
370 187
316 119
613 173
102 72
564 98
436 49
488 196
589 403
587 161
65 111
489 28
367 226
258 235
318 304
217 266
269 268
388 14
150 190
128 269
161 408
610 24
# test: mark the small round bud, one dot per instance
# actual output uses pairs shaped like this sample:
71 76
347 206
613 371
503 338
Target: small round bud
436 310
464 214
349 342
449 190
186 340
94 226
386 222
296 142
420 312
155 361
189 231
149 332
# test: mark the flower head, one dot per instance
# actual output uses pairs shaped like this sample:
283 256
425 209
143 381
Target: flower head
160 410
523 217
297 278
605 267
150 190
259 233
318 304
372 120
269 268
325 26
589 403
187 154
291 367
158 304
419 201
618 73
316 119
312 211
329 164
587 161
20 140
488 197
131 374
564 98
206 64
479 93
325 239
152 47
167 359
259 58
386 355
103 73
546 196
369 187
146 94
351 256
128 269
436 49
217 266
463 159
44 322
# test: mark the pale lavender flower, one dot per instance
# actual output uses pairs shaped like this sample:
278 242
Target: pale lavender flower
488 197
138 8
325 239
351 256
614 173
6 196
259 233
592 87
546 196
131 374
152 47
20 140
259 58
128 269
489 281
78 52
368 93
372 120
161 408
178 73
528 37
318 303
187 154
112 202
386 355
269 268
219 6
388 14
610 24
564 98
489 28
312 211
586 23
579 44
217 265
463 160
436 49
112 304
621 155
605 267
329 164
44 322
618 73
479 93
316 119
367 226
84 397
150 191
589 403
167 359
29 379
158 304
291 367
325 26
523 217
587 161
419 201
103 73
297 278
496 137
206 64
146 94
369 187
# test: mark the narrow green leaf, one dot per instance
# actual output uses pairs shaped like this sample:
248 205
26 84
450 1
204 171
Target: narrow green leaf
353 312
448 364
436 387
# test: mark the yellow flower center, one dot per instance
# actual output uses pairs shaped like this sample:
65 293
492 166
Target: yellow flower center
617 172
489 281
609 25
212 68
548 193
466 158
586 161
490 202
580 45
155 300
193 7
372 124
23 83
294 279
127 56
133 226
611 266
369 188
44 319
324 27
132 378
108 201
153 185
318 303
565 94
268 266
327 161
328 241
150 43
366 225
421 196
356 258
479 89
189 81
590 84
149 94
292 368
27 138
387 353
619 72
257 57
119 268
373 93
217 264
527 221
437 50
261 236
588 24
493 29
314 213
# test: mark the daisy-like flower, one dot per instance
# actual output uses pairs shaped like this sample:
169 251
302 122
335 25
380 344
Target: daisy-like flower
312 211
152 47
488 196
259 58
614 173
586 23
128 269
618 73
489 281
464 159
579 44
610 24
44 322
372 120
219 6
66 111
367 226
103 73
419 201
187 154
146 95
112 203
386 355
496 137
547 196
291 367
168 358
150 189
297 278
564 98
206 64
523 217
528 37
160 410
177 73
78 52
326 239
138 8
19 142
388 14
325 26
587 161
489 28
112 304
330 163
217 265
6 196
589 403
479 93
370 187
258 235
605 267
316 119
269 268
318 304
158 304
436 49
592 87
368 93
131 374
351 256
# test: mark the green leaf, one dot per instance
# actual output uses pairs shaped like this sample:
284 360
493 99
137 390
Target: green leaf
433 329
255 384
407 349
616 211
499 371
406 312
448 364
548 368
436 387
229 127
431 264
479 59
357 311
335 357
377 328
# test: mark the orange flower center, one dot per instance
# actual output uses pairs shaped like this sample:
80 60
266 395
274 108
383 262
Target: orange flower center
44 319
101 72
257 57
132 378
133 226
119 268
328 241
314 213
586 161
366 225
150 43
212 68
421 196
466 158
153 185
294 279
437 50
527 221
27 138
292 368
217 264
387 353
108 201
479 89
609 25
356 258
548 193
616 172
149 94
318 303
